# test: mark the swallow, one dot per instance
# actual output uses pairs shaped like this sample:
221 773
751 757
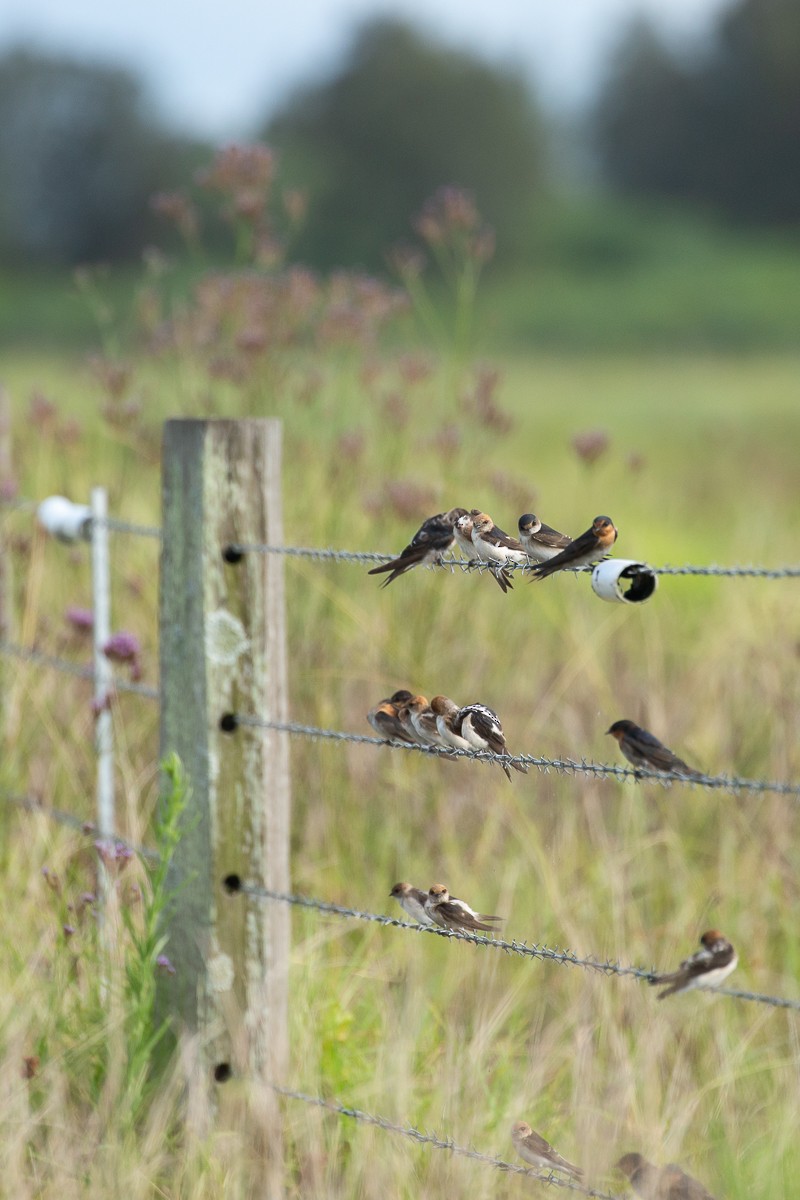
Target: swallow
643 749
429 544
494 546
405 715
705 968
423 721
660 1183
540 542
539 1153
412 902
385 720
448 724
480 726
463 534
588 548
448 912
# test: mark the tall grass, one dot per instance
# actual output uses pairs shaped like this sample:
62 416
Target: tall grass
700 466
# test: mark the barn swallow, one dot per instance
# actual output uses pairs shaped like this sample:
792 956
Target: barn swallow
412 902
540 542
480 726
539 1153
705 968
643 749
588 548
494 546
463 534
660 1183
448 912
431 541
384 717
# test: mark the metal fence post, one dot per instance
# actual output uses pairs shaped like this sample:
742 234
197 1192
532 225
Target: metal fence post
222 651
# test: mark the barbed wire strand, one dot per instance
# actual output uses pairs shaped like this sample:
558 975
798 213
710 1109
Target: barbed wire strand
464 564
563 766
438 1142
80 671
33 804
608 967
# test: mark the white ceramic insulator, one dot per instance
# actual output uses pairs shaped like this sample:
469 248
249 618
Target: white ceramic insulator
64 520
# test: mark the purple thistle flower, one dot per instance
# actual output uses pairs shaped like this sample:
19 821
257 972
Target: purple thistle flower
68 930
164 964
80 618
122 647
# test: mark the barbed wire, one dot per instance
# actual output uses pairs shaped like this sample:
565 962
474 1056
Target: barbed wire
146 531
466 564
33 804
562 766
80 671
608 967
438 1142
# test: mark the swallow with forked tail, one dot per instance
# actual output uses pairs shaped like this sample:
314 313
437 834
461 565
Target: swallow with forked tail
592 545
540 542
412 901
494 546
643 749
429 544
480 726
385 720
707 967
539 1153
448 912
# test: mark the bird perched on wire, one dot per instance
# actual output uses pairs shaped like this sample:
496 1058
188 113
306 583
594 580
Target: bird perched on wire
448 912
591 546
413 707
707 967
429 544
660 1183
447 712
412 901
643 749
494 546
539 1153
540 542
385 720
480 726
464 541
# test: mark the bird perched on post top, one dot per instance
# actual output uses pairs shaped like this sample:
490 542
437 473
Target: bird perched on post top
591 546
540 542
705 968
431 541
643 749
538 1152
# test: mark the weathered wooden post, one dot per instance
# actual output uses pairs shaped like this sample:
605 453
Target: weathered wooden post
223 651
6 586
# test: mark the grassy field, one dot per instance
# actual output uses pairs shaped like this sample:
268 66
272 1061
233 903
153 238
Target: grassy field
701 466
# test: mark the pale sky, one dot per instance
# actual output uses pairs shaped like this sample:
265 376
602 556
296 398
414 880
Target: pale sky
218 67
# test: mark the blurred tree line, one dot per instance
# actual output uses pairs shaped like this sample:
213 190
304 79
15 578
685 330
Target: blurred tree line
81 154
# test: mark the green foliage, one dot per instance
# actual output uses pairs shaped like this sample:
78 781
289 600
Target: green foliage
401 118
715 128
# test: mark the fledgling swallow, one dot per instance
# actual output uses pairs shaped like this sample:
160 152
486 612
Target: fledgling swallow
540 542
660 1183
494 546
705 968
588 548
643 749
448 912
447 722
424 722
429 544
406 714
539 1153
463 535
412 901
480 726
384 717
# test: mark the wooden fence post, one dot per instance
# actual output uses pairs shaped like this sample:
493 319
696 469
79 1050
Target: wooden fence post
6 583
222 650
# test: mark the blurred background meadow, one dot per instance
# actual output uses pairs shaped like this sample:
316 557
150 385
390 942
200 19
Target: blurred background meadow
469 260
